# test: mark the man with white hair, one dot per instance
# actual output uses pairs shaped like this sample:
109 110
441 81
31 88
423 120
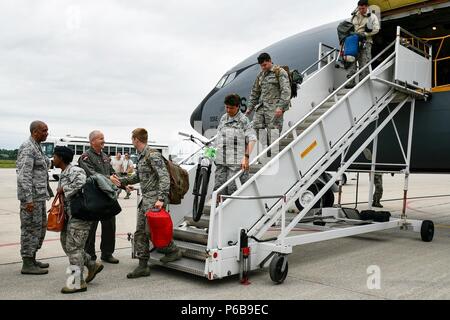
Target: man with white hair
94 160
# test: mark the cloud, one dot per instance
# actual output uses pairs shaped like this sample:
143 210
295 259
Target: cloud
117 65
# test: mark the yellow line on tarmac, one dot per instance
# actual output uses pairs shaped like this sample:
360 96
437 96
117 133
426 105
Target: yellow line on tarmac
444 226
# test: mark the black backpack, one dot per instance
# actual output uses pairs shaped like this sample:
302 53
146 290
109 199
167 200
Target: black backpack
344 29
92 204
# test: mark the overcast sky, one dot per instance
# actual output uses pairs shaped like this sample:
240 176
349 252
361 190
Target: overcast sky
115 65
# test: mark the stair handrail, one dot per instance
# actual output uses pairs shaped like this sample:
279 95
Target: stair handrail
305 72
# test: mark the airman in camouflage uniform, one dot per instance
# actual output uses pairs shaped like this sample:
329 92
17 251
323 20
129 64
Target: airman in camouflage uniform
270 96
33 191
75 232
271 92
154 179
378 181
366 26
234 143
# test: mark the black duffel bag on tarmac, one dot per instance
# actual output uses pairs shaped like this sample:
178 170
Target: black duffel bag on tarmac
377 216
92 204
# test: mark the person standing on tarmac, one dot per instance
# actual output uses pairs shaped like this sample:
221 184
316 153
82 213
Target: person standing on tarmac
366 26
94 160
33 191
154 179
127 169
75 232
377 180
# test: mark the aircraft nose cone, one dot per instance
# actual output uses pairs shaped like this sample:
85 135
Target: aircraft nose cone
196 115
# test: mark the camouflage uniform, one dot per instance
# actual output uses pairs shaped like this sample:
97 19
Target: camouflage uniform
365 56
271 90
378 181
76 231
234 133
92 163
152 174
32 187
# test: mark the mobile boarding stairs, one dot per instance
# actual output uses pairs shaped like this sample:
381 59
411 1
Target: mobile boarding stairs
251 228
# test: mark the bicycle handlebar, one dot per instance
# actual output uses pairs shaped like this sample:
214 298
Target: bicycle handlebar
185 134
192 138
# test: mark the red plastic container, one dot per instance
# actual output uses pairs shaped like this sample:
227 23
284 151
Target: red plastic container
161 227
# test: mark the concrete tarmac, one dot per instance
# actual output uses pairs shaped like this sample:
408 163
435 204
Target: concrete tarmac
336 269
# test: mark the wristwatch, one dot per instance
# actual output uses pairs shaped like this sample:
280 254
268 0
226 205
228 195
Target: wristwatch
247 155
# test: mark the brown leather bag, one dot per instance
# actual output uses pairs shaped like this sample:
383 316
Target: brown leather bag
56 216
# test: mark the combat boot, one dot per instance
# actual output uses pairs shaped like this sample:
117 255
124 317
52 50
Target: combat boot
29 267
82 288
42 265
377 204
93 268
142 270
172 256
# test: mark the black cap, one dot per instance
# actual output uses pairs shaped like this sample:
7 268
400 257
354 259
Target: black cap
363 2
66 154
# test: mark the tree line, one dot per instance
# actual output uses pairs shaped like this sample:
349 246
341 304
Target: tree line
8 154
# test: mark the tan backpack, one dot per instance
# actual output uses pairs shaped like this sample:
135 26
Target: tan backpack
294 76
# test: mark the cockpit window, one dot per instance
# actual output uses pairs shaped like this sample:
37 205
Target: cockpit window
230 78
226 80
221 82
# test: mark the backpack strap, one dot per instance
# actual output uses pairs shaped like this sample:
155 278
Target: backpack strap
276 70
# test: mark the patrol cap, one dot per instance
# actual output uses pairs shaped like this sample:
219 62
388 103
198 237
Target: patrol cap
363 3
65 153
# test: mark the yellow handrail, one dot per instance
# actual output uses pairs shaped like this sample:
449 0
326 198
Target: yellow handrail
438 59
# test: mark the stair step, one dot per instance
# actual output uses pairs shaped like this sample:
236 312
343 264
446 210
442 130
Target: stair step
191 234
192 250
343 92
284 142
207 209
304 125
254 168
312 118
327 105
187 265
202 223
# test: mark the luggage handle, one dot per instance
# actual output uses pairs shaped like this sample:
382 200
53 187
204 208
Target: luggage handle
159 210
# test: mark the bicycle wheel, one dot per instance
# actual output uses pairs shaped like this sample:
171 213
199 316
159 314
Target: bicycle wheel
202 182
